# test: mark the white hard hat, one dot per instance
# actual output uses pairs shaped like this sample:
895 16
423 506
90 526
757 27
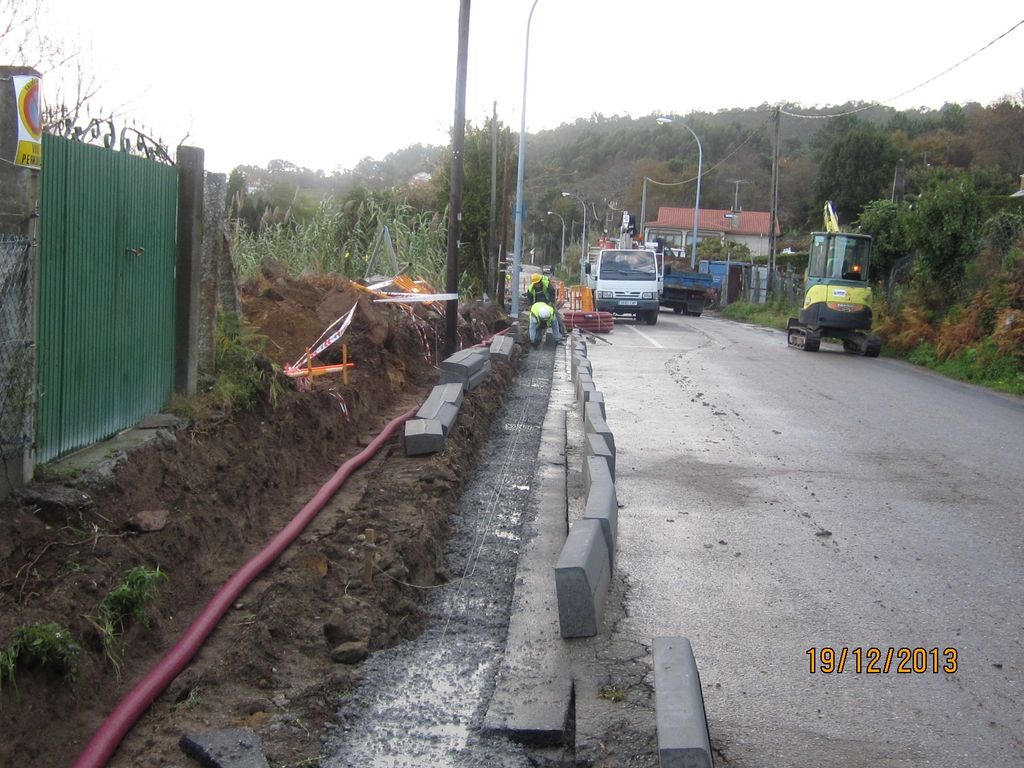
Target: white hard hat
544 311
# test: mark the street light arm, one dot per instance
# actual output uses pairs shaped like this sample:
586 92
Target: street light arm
561 255
696 202
583 236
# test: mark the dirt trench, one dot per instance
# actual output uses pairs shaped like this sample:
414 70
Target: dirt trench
291 646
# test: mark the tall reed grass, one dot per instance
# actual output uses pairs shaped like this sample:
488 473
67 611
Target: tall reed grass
340 239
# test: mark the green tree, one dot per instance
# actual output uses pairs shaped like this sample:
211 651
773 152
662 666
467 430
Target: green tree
996 137
476 200
856 169
885 221
719 250
1003 231
946 229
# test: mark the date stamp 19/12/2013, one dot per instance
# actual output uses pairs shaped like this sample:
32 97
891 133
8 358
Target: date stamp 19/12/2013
873 660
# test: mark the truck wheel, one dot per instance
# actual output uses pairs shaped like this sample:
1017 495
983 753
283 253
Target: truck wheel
652 317
677 310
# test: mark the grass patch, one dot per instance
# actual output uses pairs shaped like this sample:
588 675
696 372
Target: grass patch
56 472
244 376
190 699
126 601
774 314
981 364
613 693
47 646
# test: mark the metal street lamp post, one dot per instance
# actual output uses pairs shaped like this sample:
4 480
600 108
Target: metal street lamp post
561 256
583 236
517 248
643 212
696 203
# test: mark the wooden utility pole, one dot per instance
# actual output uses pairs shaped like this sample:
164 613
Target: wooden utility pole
899 182
505 202
773 223
455 216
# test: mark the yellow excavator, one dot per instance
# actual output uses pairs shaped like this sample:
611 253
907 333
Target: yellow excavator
837 302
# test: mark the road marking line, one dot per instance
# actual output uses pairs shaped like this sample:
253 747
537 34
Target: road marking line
654 343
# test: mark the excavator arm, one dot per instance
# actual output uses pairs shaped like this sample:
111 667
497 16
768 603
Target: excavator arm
831 220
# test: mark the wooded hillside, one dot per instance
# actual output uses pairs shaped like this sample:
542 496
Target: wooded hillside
849 157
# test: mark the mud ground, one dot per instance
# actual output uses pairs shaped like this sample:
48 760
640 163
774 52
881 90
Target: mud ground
292 646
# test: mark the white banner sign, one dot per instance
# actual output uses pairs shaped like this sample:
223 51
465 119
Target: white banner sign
415 298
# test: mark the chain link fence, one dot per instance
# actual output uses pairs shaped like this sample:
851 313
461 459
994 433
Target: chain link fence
16 347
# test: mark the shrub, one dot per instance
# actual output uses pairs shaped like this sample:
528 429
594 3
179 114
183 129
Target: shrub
923 354
244 376
907 330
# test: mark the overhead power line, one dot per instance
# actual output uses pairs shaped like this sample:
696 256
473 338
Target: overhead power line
704 173
874 104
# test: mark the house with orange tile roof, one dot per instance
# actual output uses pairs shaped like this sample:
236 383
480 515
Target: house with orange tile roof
674 228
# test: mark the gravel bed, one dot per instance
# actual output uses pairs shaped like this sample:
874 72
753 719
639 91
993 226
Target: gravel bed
422 703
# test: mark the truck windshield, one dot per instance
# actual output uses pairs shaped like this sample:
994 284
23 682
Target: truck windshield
628 265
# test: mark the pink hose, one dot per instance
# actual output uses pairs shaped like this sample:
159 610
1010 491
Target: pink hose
109 735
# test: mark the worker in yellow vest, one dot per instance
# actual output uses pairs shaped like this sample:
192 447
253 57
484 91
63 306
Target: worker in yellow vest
540 290
543 315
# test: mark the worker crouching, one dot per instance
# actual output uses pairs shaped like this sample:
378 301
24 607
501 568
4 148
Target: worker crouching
543 316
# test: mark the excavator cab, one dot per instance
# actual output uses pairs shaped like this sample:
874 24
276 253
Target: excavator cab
839 256
837 303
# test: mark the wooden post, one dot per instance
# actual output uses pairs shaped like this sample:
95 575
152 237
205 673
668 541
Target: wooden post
368 547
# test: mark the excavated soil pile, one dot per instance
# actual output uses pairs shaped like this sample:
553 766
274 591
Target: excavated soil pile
217 491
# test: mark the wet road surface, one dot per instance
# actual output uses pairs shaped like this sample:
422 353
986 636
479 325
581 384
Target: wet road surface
777 503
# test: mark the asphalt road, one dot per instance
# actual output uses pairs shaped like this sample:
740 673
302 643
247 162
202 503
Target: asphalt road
778 501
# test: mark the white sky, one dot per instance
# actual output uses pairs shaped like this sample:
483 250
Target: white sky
325 84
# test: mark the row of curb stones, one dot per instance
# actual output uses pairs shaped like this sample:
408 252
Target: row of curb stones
583 574
462 372
584 567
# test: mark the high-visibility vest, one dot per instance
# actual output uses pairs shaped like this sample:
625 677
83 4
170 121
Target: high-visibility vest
535 312
535 295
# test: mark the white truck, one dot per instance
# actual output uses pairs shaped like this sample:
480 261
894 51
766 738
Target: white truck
625 281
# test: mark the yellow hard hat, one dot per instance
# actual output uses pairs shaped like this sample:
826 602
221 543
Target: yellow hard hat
535 277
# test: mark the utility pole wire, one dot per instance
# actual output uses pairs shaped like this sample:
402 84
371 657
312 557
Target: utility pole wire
874 104
735 149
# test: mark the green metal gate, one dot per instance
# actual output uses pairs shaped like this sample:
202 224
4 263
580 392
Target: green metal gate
105 329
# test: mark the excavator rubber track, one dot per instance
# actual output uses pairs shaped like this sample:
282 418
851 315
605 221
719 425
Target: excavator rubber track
865 344
802 338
